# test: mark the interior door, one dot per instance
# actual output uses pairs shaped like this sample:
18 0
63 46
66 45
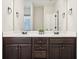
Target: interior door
18 15
25 51
12 51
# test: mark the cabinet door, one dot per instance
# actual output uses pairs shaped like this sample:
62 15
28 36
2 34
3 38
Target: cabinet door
25 51
68 52
11 52
54 52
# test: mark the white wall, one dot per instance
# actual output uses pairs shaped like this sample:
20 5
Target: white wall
7 19
10 21
18 21
72 19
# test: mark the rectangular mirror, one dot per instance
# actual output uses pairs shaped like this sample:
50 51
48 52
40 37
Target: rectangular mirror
44 15
35 15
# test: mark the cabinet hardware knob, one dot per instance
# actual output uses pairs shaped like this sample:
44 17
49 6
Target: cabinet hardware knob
40 41
63 47
40 47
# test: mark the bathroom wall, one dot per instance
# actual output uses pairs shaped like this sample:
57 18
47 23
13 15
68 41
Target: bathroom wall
7 19
11 21
18 15
72 19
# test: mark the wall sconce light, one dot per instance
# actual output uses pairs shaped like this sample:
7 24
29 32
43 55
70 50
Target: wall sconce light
17 14
55 15
9 10
70 11
63 14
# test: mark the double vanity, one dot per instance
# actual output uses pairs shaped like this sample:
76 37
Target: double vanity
39 46
39 29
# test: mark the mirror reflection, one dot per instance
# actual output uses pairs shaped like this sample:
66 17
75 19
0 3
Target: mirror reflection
45 15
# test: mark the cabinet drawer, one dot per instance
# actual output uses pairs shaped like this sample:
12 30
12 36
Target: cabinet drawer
40 47
39 40
69 40
55 40
39 54
17 40
62 40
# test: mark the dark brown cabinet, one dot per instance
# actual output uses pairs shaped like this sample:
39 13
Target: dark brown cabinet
20 51
25 51
11 51
17 48
61 52
54 52
67 52
39 48
62 48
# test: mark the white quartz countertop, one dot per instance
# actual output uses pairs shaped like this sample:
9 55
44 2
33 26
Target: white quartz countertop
36 34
